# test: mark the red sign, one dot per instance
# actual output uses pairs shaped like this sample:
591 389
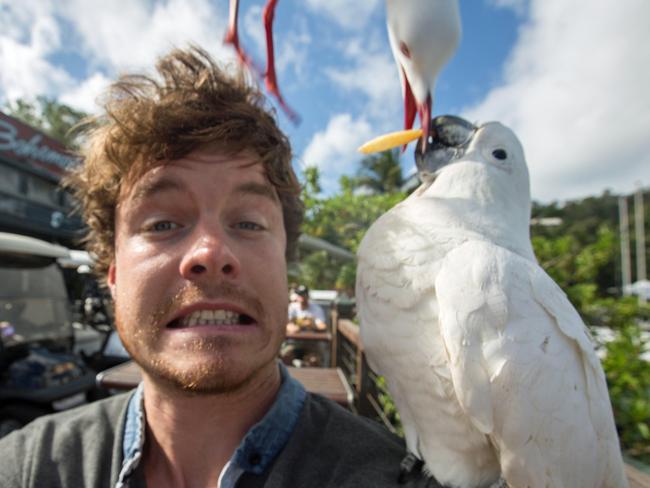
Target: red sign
22 143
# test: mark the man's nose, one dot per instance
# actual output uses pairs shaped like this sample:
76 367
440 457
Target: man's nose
210 256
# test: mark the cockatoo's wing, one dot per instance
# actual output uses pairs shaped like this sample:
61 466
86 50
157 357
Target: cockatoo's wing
389 253
389 294
398 262
524 370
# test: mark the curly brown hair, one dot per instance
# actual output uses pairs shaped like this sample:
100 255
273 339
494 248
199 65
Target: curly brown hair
149 122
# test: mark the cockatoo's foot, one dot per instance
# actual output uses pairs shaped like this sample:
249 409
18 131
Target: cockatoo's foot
412 473
500 483
409 467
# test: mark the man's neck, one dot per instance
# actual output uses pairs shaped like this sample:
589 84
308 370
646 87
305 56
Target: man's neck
189 439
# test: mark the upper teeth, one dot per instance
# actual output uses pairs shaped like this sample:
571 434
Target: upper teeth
210 317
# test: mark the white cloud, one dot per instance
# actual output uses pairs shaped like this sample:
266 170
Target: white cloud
111 37
127 34
334 150
294 49
349 14
83 96
253 26
28 33
373 74
576 92
25 73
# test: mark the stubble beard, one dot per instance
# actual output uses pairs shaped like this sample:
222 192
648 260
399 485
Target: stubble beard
218 375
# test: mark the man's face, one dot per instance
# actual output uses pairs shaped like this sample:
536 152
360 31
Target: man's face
303 300
199 276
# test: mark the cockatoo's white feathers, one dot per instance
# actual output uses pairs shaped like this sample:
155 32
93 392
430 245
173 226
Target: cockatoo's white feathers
490 366
524 369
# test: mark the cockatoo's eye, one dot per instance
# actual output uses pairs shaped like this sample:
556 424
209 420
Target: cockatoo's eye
500 154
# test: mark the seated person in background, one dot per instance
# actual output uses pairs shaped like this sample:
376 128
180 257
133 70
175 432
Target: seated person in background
304 315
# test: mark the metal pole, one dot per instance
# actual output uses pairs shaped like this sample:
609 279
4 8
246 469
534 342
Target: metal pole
625 245
639 228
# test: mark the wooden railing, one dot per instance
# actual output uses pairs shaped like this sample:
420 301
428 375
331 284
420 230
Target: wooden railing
347 354
350 358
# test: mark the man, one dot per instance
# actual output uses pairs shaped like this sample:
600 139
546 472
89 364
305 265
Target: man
192 208
304 314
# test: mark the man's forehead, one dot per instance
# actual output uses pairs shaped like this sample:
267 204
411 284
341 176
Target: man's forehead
165 176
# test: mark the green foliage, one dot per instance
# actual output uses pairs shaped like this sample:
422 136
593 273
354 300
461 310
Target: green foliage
576 266
581 219
628 378
388 406
55 119
347 277
341 219
380 173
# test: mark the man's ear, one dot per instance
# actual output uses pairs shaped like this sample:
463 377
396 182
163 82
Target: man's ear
110 278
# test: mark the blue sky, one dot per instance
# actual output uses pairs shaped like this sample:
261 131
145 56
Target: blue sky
570 77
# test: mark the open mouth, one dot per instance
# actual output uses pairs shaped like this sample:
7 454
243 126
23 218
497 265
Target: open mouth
211 317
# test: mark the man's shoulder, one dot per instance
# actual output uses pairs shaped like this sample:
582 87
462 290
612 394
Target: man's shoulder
100 414
358 432
65 445
340 449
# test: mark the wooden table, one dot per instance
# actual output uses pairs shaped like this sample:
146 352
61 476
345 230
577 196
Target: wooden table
310 335
320 340
328 382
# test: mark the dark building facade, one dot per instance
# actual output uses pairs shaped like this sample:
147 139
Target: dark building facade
31 202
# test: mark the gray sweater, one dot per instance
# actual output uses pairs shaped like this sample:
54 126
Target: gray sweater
330 447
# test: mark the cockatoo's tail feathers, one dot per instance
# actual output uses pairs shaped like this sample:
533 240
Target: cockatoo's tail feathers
389 141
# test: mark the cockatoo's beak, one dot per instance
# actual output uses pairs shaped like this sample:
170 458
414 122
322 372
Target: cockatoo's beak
449 138
390 141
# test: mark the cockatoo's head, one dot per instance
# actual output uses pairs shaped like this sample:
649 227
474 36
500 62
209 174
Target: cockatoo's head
481 170
453 140
423 35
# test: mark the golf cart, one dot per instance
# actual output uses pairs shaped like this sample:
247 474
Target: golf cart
39 373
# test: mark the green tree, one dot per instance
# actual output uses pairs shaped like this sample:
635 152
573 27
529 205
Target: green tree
341 219
380 173
52 117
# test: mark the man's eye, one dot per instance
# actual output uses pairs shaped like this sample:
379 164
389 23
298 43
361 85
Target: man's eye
249 226
162 226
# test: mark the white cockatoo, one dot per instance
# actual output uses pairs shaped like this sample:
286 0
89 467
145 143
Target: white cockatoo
423 35
491 368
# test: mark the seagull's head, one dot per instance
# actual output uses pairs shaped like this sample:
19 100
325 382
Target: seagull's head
423 35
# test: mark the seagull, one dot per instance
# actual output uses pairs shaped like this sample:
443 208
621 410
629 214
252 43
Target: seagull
423 36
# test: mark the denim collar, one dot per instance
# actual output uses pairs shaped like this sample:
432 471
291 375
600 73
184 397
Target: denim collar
255 453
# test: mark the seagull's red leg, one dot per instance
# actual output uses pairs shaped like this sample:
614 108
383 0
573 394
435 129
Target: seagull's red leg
232 37
270 78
